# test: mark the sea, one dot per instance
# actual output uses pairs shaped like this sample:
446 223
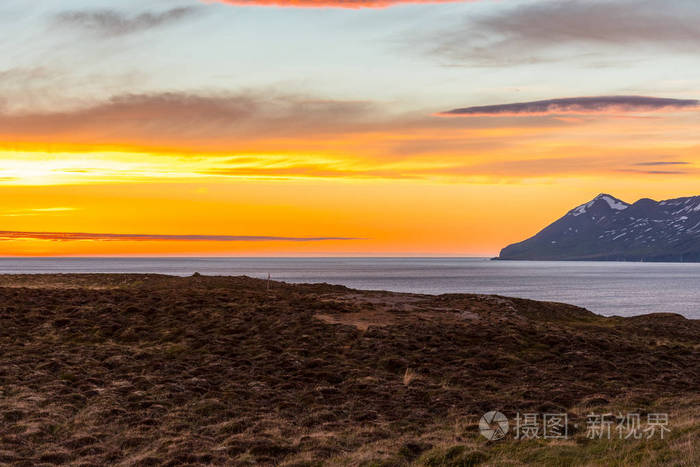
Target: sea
606 288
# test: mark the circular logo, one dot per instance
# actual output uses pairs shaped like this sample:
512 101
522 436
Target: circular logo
493 425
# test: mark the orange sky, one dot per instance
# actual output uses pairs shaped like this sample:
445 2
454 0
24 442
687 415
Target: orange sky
309 131
424 209
408 186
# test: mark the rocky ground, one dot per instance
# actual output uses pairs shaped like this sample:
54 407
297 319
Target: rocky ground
158 370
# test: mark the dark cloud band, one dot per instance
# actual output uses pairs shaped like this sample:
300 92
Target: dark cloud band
73 236
578 105
661 163
655 172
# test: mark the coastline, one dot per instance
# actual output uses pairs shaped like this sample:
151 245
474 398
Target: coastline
636 259
606 288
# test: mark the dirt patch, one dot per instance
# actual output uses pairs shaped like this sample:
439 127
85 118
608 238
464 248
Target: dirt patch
361 320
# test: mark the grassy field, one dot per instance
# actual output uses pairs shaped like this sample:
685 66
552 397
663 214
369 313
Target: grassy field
157 370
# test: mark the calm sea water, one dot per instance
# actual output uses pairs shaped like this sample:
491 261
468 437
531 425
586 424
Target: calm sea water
607 288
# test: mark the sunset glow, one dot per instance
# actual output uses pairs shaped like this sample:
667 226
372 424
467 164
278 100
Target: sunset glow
385 136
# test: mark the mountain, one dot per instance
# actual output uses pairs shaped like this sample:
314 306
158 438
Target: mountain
608 229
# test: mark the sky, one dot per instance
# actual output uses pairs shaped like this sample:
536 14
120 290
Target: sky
335 127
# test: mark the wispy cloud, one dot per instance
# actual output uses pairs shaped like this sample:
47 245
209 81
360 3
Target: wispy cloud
191 119
227 122
263 135
329 3
109 22
661 163
540 31
578 105
36 211
74 236
655 172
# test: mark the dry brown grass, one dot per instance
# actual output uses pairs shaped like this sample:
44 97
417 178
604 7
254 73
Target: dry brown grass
156 370
409 376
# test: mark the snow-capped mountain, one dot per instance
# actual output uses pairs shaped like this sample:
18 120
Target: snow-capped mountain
607 228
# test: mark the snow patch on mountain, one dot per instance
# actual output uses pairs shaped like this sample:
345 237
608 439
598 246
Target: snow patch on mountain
614 204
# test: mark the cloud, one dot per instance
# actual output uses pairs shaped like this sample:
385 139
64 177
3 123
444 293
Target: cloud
113 23
578 105
190 120
73 236
655 172
331 3
541 31
226 122
655 163
311 171
36 211
264 135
